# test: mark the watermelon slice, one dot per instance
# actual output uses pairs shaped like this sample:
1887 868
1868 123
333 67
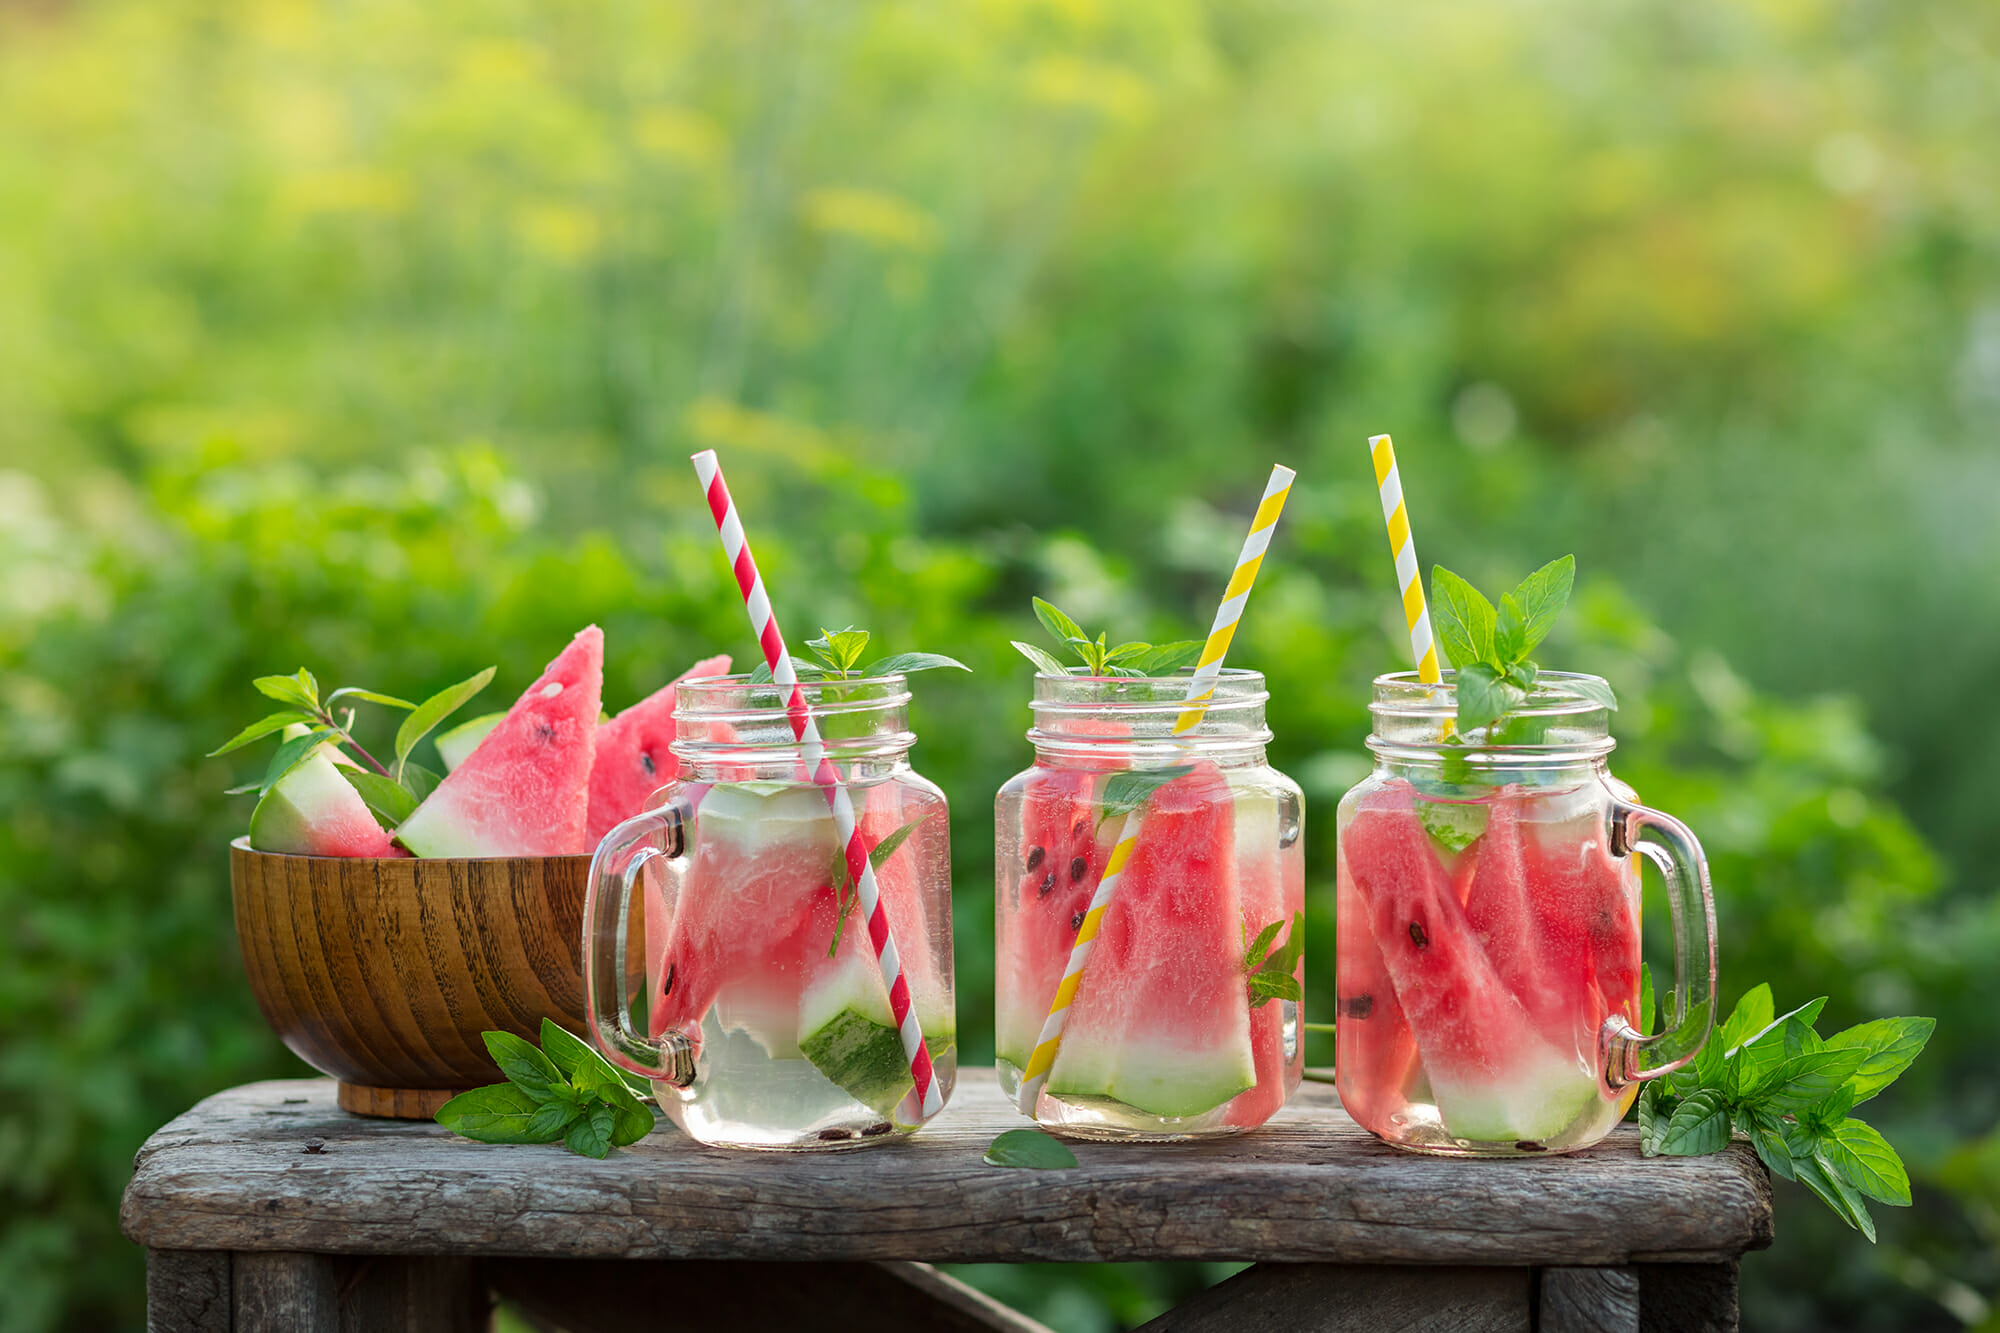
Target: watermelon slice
1495 1077
1044 894
634 756
1373 1048
1529 928
1582 886
1272 881
313 811
525 790
1161 1020
454 747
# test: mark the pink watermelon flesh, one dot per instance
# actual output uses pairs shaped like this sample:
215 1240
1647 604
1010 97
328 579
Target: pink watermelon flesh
1495 1077
1581 884
526 790
1161 1020
1272 882
634 756
1060 860
313 811
1533 935
1373 1048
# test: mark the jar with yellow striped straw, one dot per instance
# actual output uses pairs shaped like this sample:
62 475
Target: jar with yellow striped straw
1169 1009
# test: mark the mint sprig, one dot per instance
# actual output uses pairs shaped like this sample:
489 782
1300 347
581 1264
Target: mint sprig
839 656
390 794
1490 646
564 1091
1272 973
1101 657
1790 1091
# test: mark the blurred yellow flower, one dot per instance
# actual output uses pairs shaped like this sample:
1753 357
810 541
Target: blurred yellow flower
1094 85
685 136
879 218
345 190
559 231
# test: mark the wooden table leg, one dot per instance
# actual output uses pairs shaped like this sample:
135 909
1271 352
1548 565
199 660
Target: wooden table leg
1357 1298
1588 1300
326 1293
187 1291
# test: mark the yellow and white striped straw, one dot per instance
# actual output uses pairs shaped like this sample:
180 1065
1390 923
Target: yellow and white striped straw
1404 547
1201 688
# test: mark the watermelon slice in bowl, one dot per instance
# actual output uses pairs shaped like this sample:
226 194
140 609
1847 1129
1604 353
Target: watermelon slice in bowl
525 791
634 755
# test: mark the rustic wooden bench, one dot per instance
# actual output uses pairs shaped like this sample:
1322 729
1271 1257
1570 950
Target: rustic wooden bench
267 1207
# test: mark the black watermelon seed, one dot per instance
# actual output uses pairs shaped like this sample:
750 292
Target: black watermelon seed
873 1130
667 986
646 762
1076 922
1355 1006
1035 856
835 1135
1048 882
1077 869
1417 936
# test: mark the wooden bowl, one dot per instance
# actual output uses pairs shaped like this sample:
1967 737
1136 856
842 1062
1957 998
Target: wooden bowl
384 973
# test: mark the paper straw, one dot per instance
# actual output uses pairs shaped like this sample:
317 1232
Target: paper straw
1201 688
812 750
1404 547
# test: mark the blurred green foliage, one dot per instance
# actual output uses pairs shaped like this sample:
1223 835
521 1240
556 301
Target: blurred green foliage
374 336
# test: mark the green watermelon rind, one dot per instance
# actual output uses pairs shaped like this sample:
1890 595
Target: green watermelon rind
304 799
848 1034
1164 1082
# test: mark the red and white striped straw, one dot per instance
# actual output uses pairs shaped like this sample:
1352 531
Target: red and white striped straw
812 750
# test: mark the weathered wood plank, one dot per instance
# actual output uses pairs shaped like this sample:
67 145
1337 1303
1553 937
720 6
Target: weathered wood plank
388 1294
187 1291
1687 1298
615 1296
1589 1300
235 1173
1352 1298
285 1293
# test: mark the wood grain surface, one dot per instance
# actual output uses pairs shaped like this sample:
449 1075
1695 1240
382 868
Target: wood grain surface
383 973
234 1174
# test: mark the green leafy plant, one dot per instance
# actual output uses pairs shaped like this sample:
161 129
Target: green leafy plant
1272 974
1489 646
839 656
1128 789
1791 1091
1099 657
1029 1148
310 722
564 1091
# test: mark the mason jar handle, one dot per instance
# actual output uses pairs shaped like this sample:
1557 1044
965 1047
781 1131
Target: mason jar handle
652 835
1687 1012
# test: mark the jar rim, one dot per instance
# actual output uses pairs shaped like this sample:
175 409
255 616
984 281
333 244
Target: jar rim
736 698
1413 720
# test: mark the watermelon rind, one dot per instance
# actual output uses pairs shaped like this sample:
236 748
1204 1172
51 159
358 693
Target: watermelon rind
847 1032
1538 1095
453 746
1162 1079
313 811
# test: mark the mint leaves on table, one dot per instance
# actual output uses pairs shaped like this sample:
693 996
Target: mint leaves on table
1029 1148
1490 645
390 793
563 1091
1100 658
1272 973
1791 1091
839 656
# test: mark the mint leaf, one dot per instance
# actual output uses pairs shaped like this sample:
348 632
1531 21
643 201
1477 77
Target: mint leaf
1164 659
1510 631
262 727
419 781
840 649
1767 1135
291 690
580 1064
354 692
1860 1154
902 664
1753 1013
1464 621
1483 696
1811 1170
498 1113
1597 691
1656 1110
549 1121
1029 1148
1268 986
632 1119
877 855
434 710
1891 1044
1061 626
1809 1078
526 1067
1257 948
1046 664
390 802
1700 1124
1128 789
590 1134
1540 599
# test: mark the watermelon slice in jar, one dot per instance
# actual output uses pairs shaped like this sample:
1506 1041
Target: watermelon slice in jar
1529 925
1373 1045
1271 881
1494 1075
1161 1020
1061 853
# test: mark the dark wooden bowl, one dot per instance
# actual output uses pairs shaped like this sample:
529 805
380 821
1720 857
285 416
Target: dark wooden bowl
383 973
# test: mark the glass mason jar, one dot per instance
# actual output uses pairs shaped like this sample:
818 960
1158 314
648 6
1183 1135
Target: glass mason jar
1171 1031
1488 928
765 1022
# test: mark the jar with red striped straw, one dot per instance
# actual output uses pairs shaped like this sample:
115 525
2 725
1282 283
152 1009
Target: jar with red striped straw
765 1020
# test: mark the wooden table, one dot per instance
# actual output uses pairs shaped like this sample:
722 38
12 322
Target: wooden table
267 1207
